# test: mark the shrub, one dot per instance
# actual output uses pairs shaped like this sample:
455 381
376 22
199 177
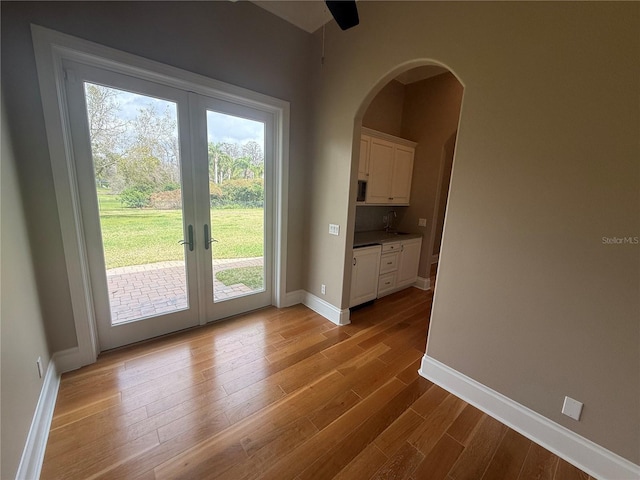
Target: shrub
137 196
169 187
238 193
167 200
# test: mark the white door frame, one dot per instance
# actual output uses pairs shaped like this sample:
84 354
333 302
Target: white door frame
51 48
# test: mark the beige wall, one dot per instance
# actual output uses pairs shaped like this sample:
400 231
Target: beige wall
431 114
21 325
448 154
529 300
384 113
237 43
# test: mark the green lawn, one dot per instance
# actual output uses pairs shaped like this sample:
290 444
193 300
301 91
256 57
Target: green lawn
252 277
139 236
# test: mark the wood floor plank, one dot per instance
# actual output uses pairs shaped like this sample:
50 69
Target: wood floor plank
280 441
100 460
540 464
476 457
83 411
509 457
365 465
333 409
435 425
566 471
368 384
440 460
401 464
300 459
348 448
466 423
191 393
410 373
426 404
395 436
205 465
282 394
109 428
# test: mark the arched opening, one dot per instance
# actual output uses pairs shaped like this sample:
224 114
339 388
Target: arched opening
417 105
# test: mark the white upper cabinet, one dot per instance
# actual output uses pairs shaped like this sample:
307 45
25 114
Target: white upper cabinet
386 162
363 164
381 167
402 173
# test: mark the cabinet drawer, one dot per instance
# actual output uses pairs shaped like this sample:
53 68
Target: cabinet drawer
388 262
391 247
386 283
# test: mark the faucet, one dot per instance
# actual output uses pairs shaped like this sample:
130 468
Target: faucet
387 227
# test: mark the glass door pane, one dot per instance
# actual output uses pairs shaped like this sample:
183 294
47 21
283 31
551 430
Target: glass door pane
236 166
136 159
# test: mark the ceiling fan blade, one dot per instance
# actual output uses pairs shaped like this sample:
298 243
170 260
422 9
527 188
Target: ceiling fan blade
345 12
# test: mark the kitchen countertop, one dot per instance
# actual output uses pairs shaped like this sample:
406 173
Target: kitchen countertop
378 237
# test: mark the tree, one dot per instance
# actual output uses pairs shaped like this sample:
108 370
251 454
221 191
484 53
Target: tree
156 133
140 152
218 162
106 129
253 151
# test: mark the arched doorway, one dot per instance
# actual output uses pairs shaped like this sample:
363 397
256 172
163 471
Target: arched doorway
420 102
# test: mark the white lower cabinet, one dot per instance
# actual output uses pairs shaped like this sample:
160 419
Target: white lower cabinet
364 275
398 265
379 270
408 262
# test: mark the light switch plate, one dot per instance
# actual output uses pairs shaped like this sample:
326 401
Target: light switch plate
334 229
572 408
422 222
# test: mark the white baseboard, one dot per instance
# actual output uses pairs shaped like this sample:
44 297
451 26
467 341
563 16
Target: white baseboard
586 455
423 283
328 311
292 298
33 453
67 360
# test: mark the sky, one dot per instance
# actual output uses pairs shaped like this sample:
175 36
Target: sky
220 127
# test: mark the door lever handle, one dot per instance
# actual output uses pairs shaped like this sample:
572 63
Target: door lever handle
190 239
207 239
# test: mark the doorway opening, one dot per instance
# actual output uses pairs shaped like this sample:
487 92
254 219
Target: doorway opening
419 102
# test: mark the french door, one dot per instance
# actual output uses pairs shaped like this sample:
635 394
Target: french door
176 202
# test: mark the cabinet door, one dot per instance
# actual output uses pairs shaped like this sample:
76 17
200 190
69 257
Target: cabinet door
402 174
409 262
364 275
363 164
381 155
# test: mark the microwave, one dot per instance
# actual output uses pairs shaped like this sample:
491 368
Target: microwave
362 191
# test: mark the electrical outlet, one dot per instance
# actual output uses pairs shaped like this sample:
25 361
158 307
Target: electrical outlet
572 408
334 229
323 289
422 222
39 365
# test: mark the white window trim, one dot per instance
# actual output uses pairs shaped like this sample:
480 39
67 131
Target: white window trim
51 48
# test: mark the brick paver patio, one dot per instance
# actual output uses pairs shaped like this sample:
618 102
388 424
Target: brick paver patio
146 290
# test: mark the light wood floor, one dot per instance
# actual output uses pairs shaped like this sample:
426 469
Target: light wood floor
283 395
